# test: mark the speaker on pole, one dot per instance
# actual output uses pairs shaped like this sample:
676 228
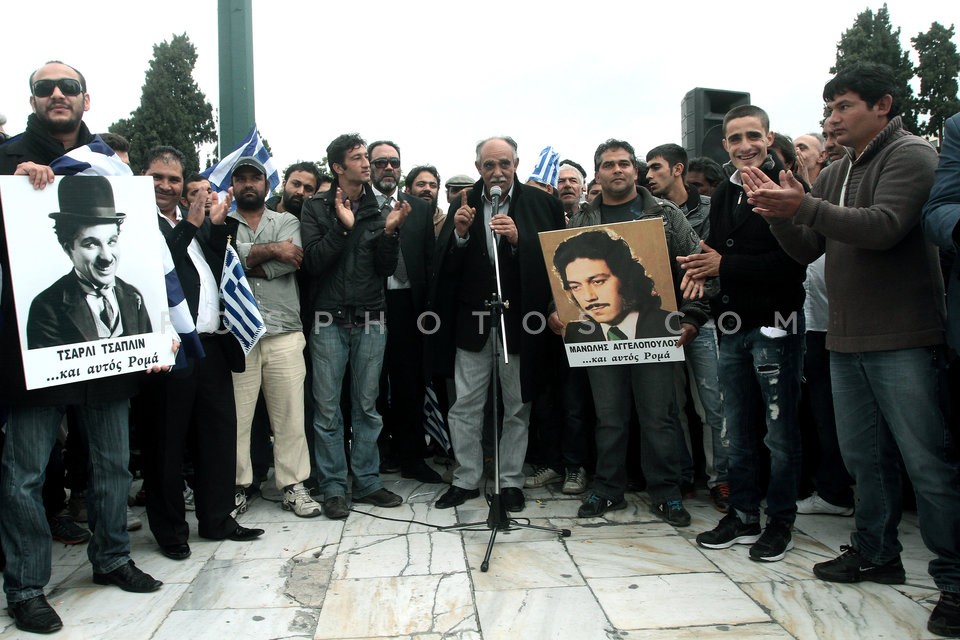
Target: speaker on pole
702 112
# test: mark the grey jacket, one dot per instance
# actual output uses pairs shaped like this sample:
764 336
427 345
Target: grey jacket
682 240
698 214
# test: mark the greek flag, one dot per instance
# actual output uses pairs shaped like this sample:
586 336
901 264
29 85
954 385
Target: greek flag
179 310
547 169
220 174
94 159
241 314
98 159
433 422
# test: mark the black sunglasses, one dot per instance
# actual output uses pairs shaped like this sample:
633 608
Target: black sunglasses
68 87
380 163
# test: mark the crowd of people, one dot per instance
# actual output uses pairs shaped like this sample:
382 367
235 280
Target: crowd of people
806 273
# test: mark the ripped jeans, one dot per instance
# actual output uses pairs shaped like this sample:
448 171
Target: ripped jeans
755 368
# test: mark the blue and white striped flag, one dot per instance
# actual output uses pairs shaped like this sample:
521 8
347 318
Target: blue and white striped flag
433 421
180 318
98 159
94 159
241 315
219 174
547 169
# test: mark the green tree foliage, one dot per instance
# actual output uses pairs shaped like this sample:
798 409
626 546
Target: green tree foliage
938 69
173 111
872 38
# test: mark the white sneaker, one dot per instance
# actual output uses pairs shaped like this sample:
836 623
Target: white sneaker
240 499
188 503
297 498
542 476
575 482
133 522
816 504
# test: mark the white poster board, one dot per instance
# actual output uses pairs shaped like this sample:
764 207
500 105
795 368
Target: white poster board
55 304
614 276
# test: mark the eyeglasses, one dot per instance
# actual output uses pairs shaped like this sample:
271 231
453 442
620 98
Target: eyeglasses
380 163
68 87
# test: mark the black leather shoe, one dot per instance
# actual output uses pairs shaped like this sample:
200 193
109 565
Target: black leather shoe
512 499
242 534
421 473
35 615
380 498
335 508
176 551
129 578
455 496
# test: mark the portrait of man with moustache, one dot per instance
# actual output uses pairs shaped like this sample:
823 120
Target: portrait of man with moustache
616 297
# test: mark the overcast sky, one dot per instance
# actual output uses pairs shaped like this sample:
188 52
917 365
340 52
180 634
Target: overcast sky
437 76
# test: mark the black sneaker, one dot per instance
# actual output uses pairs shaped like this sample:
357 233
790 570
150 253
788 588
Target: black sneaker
850 566
672 512
945 618
64 529
720 494
728 532
774 542
595 506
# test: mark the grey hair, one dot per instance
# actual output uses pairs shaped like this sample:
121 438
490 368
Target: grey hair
507 139
569 165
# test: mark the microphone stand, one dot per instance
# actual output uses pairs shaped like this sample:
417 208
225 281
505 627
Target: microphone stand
497 519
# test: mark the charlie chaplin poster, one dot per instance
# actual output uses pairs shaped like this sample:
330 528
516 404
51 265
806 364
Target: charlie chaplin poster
614 292
87 276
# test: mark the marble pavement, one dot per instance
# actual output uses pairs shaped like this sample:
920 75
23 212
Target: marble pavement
627 575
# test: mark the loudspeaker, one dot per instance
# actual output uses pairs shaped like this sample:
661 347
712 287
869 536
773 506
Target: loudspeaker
702 112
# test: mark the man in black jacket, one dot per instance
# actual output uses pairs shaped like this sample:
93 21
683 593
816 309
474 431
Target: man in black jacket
350 245
464 280
195 402
760 316
406 297
59 99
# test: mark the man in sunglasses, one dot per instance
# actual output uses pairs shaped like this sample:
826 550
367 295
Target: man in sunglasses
59 99
406 298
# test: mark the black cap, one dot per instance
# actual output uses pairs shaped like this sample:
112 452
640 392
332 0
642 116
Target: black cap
249 161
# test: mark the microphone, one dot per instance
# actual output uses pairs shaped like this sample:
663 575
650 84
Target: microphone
495 193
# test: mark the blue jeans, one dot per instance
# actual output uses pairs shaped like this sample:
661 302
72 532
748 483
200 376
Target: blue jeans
888 402
331 349
703 364
754 367
31 432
